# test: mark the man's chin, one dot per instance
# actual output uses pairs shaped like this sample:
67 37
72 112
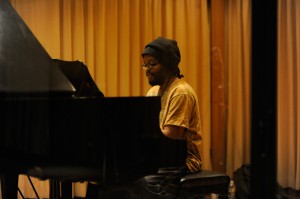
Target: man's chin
154 82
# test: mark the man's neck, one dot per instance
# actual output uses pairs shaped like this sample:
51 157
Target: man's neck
166 84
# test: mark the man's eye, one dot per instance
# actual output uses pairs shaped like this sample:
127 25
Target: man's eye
153 63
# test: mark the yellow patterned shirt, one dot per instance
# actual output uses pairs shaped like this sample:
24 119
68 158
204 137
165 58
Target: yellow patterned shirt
179 107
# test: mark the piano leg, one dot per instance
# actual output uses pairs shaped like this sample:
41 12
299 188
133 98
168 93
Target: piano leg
9 185
93 190
66 187
10 168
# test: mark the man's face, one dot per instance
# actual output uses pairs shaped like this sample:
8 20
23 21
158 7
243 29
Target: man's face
155 71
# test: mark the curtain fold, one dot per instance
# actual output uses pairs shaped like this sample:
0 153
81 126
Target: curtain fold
288 151
238 64
109 35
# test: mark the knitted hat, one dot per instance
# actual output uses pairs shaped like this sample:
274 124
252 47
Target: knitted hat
165 51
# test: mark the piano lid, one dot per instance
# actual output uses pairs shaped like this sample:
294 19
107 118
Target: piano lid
25 66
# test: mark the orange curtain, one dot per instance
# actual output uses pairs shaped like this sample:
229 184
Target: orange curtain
109 35
288 161
238 64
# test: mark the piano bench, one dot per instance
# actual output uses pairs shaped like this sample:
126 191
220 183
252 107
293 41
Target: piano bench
61 178
205 182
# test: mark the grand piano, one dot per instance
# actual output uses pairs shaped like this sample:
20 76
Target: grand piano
47 119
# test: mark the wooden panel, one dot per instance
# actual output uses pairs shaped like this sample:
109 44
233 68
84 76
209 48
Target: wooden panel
219 107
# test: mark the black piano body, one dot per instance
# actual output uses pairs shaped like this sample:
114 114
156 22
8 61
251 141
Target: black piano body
119 135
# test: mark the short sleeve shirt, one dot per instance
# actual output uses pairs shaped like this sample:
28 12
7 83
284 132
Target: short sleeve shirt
179 107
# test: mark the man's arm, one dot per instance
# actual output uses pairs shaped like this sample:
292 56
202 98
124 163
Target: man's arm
174 132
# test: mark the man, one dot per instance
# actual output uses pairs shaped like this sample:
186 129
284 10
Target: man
179 116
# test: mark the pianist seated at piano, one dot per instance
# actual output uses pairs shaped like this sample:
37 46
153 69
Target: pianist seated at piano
179 115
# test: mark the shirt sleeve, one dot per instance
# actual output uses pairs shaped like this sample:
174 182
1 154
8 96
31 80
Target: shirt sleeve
179 111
